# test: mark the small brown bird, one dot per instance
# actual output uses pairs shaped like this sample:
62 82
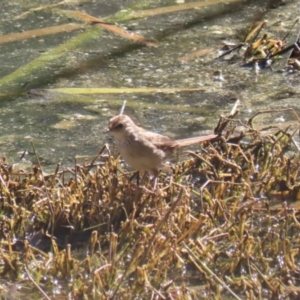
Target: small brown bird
144 150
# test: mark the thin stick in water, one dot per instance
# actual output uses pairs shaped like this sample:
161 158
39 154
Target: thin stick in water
123 107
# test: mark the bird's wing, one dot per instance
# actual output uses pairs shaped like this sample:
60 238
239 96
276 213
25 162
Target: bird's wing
160 141
164 142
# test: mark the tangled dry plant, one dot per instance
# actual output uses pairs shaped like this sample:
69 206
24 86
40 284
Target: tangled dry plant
224 223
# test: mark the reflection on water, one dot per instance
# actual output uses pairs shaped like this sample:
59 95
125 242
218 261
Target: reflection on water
62 127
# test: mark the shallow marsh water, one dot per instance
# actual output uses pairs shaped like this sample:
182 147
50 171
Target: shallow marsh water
63 126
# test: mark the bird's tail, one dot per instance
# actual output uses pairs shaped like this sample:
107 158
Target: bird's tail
195 140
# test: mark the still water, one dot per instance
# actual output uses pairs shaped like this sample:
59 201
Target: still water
62 126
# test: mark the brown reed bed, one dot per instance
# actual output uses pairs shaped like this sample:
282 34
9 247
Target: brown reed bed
224 224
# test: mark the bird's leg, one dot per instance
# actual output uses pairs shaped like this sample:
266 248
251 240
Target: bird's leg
153 178
137 175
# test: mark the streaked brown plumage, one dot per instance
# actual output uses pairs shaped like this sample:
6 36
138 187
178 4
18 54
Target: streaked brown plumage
144 150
